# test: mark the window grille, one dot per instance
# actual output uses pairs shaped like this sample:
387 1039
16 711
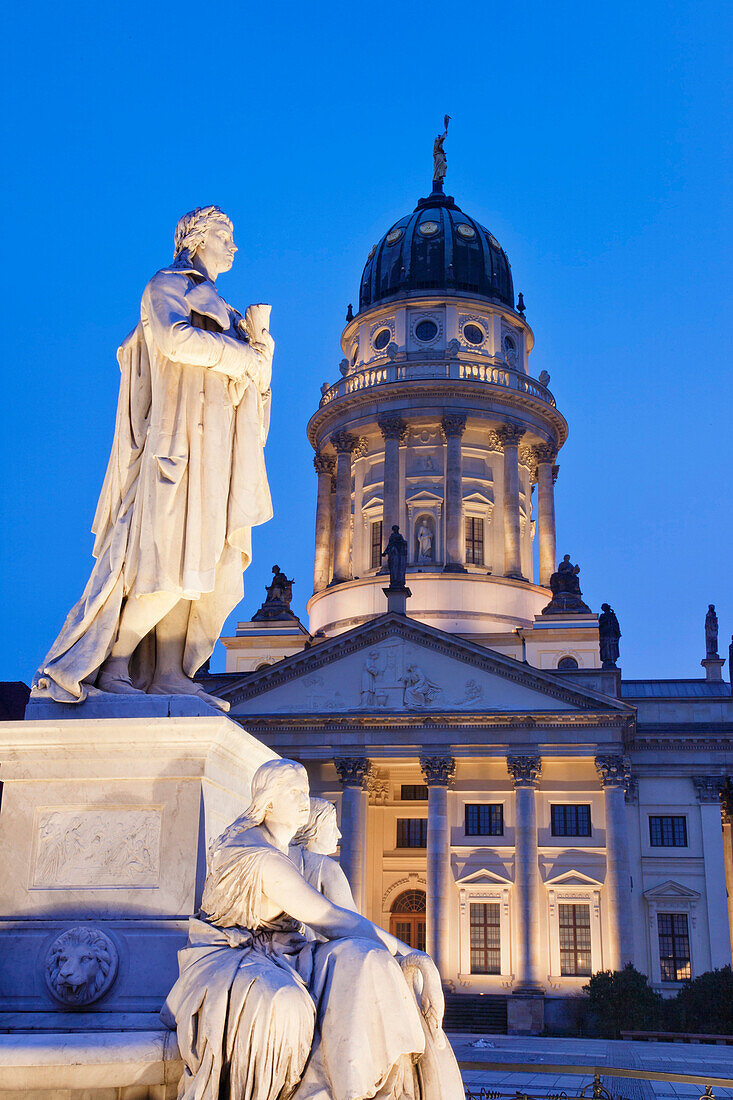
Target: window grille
376 558
474 541
484 820
574 922
412 832
485 938
674 947
667 831
414 792
570 820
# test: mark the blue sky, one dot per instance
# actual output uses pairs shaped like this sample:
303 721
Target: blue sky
592 140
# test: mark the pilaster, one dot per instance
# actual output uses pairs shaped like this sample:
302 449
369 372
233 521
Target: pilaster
525 771
614 774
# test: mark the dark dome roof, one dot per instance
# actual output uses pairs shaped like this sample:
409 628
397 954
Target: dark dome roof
437 247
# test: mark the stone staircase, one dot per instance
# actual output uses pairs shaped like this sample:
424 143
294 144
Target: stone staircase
478 1013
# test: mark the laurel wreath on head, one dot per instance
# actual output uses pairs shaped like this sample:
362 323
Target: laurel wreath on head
192 228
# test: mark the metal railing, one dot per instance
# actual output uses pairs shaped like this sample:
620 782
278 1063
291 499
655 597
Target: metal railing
598 1091
493 372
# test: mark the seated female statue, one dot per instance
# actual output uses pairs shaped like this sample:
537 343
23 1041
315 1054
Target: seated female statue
264 1013
311 850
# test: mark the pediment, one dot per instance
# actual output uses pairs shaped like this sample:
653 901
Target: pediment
394 665
571 877
671 891
477 497
424 496
483 877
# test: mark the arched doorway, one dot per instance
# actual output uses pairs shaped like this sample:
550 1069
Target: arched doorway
407 919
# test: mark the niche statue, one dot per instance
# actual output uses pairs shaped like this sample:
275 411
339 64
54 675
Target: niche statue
267 1009
185 484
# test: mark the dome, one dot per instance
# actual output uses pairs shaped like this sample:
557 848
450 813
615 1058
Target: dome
436 248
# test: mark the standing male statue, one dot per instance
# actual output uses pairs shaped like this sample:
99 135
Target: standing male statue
396 555
185 484
711 632
609 633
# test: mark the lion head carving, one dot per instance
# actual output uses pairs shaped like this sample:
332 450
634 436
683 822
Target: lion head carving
81 965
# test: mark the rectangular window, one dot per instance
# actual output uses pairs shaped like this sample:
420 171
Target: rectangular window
376 558
570 820
574 921
484 820
485 938
474 541
412 832
414 792
674 947
667 832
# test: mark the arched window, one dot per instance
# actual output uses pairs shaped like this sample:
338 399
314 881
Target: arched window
407 920
566 663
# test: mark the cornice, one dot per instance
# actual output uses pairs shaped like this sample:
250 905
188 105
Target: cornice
358 721
442 392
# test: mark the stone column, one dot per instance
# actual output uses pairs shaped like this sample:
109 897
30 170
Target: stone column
325 465
344 445
726 817
393 428
525 771
438 772
509 437
709 790
453 427
614 774
353 771
545 457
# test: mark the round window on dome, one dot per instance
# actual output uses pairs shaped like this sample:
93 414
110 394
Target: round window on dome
465 231
394 236
382 338
425 331
473 334
428 229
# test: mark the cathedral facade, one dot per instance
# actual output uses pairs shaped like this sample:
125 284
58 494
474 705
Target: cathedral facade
506 798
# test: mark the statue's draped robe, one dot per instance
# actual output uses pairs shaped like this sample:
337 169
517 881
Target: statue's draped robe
185 483
263 1013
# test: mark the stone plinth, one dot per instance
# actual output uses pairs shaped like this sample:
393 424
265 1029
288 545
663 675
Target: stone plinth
105 827
525 1014
397 599
713 669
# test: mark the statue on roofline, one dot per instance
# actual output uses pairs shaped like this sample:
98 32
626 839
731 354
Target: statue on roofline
396 555
609 633
711 633
440 162
565 588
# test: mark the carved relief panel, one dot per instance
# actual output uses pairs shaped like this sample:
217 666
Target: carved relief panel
89 848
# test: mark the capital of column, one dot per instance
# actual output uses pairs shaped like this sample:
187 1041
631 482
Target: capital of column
709 788
353 771
452 424
438 770
510 435
545 452
362 447
613 771
324 464
555 472
393 427
524 770
344 442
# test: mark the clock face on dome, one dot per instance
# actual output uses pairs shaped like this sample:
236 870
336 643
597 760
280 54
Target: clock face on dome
428 229
465 231
394 236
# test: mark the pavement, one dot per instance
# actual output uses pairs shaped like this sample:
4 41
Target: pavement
630 1070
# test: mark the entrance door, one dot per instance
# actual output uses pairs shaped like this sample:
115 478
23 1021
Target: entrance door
407 919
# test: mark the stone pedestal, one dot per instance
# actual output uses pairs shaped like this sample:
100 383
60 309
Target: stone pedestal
525 1015
105 826
713 669
397 599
